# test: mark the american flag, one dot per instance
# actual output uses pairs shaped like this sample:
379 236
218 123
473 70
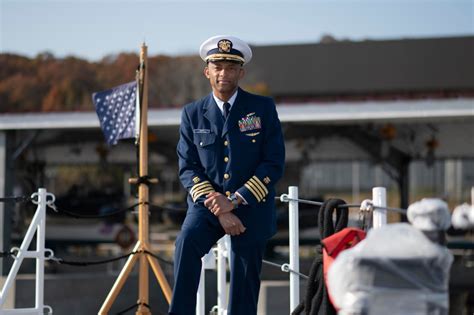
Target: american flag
116 111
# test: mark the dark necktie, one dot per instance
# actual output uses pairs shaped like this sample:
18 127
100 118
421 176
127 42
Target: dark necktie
226 110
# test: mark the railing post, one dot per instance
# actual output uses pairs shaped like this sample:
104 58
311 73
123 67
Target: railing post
379 198
222 254
37 225
208 261
40 241
294 247
201 294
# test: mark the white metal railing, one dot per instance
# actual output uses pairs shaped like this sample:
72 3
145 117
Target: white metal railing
294 247
223 256
221 253
379 200
377 204
38 225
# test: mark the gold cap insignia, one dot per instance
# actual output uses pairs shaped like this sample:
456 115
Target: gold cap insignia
224 45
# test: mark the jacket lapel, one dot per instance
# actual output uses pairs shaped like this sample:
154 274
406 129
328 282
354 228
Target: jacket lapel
237 111
213 114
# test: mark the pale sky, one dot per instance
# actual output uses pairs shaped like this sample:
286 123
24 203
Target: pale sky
93 29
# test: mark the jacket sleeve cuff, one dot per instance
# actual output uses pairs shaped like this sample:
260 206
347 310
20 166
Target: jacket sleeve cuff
253 191
201 189
244 202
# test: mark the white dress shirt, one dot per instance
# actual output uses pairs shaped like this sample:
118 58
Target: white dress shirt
220 103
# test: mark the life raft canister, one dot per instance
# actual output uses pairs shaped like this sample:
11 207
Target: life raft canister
336 243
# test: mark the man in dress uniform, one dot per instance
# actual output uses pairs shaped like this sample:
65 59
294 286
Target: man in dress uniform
231 153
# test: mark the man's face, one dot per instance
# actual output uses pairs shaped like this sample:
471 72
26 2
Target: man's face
224 76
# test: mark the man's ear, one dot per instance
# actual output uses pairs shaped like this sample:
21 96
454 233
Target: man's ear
242 73
206 72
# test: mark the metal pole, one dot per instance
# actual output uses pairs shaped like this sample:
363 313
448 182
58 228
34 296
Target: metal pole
294 247
379 198
143 219
201 294
20 256
222 253
40 240
208 261
143 232
7 145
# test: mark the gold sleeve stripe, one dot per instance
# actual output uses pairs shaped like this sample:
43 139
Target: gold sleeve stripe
198 190
261 184
255 183
202 184
201 189
202 192
254 190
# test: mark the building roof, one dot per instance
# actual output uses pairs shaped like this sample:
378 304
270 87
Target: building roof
434 65
347 112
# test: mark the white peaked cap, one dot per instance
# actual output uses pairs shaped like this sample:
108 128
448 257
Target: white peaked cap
225 47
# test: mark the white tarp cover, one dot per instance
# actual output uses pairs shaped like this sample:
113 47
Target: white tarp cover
395 270
429 214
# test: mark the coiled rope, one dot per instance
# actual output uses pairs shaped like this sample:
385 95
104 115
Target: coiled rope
316 301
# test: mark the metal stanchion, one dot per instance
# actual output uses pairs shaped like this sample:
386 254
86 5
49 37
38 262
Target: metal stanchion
37 225
294 247
208 262
222 254
379 199
201 294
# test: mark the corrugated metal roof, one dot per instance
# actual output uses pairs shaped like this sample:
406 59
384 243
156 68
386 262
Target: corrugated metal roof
416 110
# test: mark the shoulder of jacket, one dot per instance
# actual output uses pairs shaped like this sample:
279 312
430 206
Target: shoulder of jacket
260 99
196 105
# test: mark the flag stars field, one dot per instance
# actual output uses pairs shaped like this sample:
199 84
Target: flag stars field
116 108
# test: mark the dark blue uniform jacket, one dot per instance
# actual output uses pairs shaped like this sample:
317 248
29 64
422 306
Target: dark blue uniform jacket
244 154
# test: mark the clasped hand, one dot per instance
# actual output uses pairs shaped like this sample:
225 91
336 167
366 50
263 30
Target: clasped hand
221 207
